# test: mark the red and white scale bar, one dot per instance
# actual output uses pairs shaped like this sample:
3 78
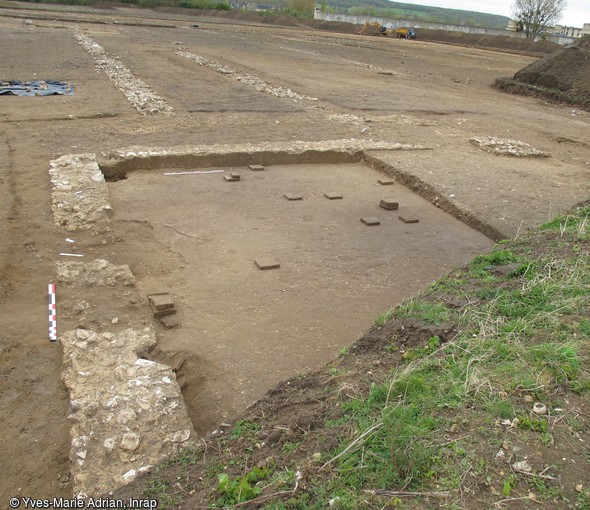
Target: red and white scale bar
52 313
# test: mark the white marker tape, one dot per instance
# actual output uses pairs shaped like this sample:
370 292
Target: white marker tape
52 313
71 255
195 172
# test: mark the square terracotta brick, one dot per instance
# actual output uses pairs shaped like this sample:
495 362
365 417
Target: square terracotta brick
170 321
389 204
385 182
161 301
229 178
235 176
407 219
256 168
293 196
332 195
370 221
266 263
162 313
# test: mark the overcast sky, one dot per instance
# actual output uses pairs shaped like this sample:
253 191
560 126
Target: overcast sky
575 15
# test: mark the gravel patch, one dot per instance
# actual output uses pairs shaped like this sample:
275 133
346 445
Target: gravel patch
504 147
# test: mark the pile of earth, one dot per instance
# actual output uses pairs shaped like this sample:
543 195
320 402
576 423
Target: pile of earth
563 76
507 43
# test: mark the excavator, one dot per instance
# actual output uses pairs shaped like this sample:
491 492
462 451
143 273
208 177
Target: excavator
382 30
402 32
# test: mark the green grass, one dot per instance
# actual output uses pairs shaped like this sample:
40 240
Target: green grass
385 317
495 258
439 416
289 447
244 428
430 346
525 334
160 490
430 313
187 456
241 488
577 223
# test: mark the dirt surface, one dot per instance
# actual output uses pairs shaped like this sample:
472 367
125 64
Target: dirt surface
250 328
366 88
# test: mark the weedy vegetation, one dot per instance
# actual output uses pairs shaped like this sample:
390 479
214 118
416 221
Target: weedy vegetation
450 422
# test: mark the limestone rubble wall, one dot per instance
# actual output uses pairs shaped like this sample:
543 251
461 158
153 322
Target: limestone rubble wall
127 412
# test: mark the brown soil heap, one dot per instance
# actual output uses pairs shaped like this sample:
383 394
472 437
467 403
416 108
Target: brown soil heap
562 76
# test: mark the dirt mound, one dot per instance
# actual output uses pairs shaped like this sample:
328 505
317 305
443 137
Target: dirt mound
562 76
496 42
567 69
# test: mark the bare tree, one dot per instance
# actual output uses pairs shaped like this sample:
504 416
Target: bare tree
304 8
534 16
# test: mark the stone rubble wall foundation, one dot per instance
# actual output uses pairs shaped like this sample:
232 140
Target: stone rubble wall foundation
98 273
136 91
80 198
253 81
128 413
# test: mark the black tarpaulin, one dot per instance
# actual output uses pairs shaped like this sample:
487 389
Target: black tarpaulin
35 88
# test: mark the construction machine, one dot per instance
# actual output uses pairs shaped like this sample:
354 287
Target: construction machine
382 29
404 32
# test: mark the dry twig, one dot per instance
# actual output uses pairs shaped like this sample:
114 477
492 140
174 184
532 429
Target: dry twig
409 494
262 498
354 444
545 477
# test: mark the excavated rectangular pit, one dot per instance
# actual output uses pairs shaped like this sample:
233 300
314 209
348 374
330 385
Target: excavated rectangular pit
249 329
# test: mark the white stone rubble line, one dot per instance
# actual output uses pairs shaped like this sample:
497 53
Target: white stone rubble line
346 61
346 145
136 91
408 120
315 54
80 198
253 81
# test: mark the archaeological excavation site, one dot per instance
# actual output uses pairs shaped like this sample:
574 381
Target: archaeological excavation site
222 210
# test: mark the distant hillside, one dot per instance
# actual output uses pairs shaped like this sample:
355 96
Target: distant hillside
385 8
304 9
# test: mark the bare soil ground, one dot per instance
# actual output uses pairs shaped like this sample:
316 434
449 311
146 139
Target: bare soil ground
248 328
367 89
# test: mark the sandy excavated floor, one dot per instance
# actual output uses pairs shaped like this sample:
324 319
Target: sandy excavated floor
249 84
249 327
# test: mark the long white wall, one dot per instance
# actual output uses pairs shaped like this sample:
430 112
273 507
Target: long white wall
396 23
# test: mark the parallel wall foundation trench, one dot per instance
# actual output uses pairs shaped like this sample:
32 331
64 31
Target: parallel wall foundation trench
238 330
